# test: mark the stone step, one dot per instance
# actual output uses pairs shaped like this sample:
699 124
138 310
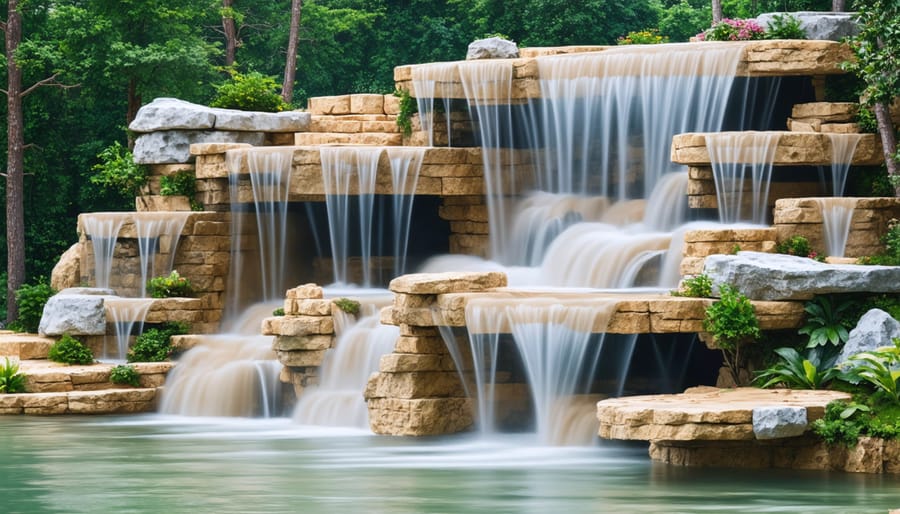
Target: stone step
24 346
43 376
108 401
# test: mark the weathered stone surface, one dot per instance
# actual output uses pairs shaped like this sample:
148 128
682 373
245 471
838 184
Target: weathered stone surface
826 111
74 314
174 146
414 384
367 104
329 104
67 271
302 343
306 291
420 417
492 48
297 325
779 422
171 114
831 26
766 276
449 282
301 359
250 121
875 329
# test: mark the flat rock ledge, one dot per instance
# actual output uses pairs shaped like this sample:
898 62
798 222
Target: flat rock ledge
741 428
108 401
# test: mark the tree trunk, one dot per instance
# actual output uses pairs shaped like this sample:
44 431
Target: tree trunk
230 31
888 143
838 5
134 103
290 66
15 164
717 11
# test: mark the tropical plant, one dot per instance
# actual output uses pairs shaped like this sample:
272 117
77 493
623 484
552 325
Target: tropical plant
732 322
252 91
155 344
828 320
171 286
118 171
31 299
11 379
784 26
798 371
699 286
69 350
643 37
125 374
878 368
733 30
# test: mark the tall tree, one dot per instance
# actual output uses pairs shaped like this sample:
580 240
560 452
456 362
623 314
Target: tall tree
290 65
717 11
229 30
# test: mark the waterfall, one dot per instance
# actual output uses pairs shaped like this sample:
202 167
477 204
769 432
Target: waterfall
837 213
158 234
406 163
740 160
127 315
103 230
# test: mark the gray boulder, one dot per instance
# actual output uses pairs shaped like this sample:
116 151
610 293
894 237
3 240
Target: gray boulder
770 276
174 146
249 121
172 114
777 422
492 48
832 26
74 314
875 329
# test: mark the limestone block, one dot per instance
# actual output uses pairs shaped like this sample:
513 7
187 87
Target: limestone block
43 404
408 362
804 125
874 329
448 282
779 422
891 456
420 417
329 105
367 104
173 146
300 359
170 114
298 325
416 384
67 271
115 401
332 124
250 121
74 314
840 128
302 343
391 104
764 276
866 457
307 307
215 149
417 331
306 291
826 111
492 48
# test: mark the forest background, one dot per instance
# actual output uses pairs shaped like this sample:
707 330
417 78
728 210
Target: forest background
98 60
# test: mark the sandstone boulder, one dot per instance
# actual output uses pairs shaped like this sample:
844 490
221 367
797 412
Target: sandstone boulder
777 422
67 272
75 314
492 48
768 276
832 26
875 329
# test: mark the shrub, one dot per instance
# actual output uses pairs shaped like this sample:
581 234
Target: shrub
181 183
643 37
809 371
11 379
31 300
845 422
733 30
696 287
249 92
155 345
828 321
732 323
347 305
118 171
891 240
878 369
125 374
795 245
173 285
69 350
785 26
405 112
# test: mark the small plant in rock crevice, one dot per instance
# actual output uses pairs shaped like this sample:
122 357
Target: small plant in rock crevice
406 111
278 312
125 374
11 379
155 344
180 183
732 323
795 245
699 286
347 305
173 285
69 350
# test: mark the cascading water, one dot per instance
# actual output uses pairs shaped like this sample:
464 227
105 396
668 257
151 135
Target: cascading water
158 234
128 315
837 212
740 160
406 163
103 229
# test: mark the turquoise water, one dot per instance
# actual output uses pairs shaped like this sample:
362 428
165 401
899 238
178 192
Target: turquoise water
158 464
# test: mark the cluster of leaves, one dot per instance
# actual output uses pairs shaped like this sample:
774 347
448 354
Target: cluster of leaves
810 370
796 245
643 37
406 111
117 171
31 299
252 91
155 344
347 305
181 183
891 254
125 374
169 286
828 320
733 30
69 350
732 322
11 379
845 422
699 286
785 26
278 312
880 369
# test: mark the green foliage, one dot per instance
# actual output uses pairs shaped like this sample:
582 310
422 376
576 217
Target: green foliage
733 30
31 299
347 305
845 422
252 91
125 374
154 345
699 286
683 20
69 350
891 240
278 312
181 183
643 37
406 111
809 371
828 320
879 368
876 47
866 120
117 171
836 428
795 245
784 26
732 323
171 286
11 379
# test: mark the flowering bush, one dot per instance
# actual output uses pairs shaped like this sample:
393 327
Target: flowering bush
643 37
733 30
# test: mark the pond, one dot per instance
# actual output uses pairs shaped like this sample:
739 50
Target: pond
152 463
